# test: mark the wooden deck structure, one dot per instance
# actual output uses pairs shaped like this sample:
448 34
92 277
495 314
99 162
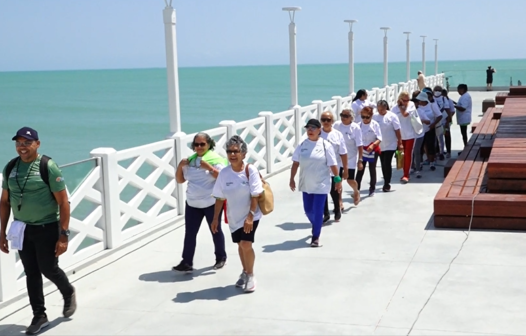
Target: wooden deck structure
488 179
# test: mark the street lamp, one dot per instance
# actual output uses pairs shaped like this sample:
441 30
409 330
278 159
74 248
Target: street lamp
293 60
408 58
385 29
423 54
436 56
172 67
351 55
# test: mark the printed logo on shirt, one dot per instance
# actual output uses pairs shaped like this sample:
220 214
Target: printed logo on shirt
228 184
244 183
304 149
59 179
13 174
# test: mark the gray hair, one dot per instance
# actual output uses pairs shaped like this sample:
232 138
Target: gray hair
350 111
236 140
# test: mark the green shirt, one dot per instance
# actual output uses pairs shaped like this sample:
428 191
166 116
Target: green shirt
39 205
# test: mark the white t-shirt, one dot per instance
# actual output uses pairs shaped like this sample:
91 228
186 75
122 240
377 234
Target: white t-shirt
352 135
315 158
335 137
237 190
436 109
431 114
357 107
388 124
443 105
423 117
200 184
406 128
464 118
370 133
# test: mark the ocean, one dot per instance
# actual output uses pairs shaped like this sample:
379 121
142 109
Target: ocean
77 111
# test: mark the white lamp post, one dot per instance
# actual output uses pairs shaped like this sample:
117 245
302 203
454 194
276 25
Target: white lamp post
293 61
172 67
351 56
423 54
408 58
436 56
386 81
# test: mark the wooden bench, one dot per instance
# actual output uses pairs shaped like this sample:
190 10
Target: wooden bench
447 167
502 97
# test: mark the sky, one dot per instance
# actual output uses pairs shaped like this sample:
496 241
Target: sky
116 34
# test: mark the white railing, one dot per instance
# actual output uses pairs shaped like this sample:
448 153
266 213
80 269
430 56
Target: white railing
132 191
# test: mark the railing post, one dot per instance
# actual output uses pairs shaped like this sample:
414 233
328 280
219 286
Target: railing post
318 107
338 106
110 196
230 128
298 124
269 139
8 276
376 95
179 192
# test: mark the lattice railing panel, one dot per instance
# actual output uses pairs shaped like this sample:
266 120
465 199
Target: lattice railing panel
330 105
253 133
284 138
142 204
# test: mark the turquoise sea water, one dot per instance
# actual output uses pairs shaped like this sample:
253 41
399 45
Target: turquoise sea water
77 111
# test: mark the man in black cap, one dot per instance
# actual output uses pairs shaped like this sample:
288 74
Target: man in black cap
34 189
489 78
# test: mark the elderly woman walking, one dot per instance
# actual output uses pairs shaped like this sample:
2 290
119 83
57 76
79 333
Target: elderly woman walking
405 109
240 185
335 138
317 160
371 138
359 102
200 170
391 140
352 135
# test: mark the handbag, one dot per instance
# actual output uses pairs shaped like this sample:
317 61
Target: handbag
399 159
416 123
266 199
370 157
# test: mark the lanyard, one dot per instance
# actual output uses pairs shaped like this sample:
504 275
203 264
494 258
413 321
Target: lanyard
25 181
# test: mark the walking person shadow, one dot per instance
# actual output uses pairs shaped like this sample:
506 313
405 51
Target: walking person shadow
171 276
215 293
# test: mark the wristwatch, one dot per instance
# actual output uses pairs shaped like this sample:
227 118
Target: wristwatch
64 233
253 213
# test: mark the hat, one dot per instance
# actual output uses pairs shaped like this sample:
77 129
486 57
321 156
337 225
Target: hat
313 122
427 90
422 96
26 132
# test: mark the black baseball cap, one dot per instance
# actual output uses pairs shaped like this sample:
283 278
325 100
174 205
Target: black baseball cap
26 132
313 122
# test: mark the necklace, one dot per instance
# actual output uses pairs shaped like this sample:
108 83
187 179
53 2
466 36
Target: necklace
25 181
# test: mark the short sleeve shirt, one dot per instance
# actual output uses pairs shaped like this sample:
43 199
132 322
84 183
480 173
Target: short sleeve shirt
200 184
464 117
389 123
38 204
352 135
335 137
315 158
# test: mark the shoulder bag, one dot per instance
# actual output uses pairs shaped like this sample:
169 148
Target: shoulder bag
266 199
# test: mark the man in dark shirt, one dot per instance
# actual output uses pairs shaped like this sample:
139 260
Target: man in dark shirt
489 78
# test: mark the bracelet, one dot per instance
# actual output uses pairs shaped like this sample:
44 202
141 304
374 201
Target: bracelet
337 179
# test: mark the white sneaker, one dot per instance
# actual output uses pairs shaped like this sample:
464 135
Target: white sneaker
418 174
241 282
250 285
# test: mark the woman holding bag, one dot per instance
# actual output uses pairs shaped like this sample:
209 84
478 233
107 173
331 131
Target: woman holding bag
405 110
241 191
200 170
371 139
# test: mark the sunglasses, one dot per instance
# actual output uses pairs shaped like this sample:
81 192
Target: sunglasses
366 117
199 144
345 115
405 100
23 143
311 128
235 151
326 119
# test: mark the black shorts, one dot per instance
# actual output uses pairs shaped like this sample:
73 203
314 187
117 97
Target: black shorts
351 172
240 234
429 141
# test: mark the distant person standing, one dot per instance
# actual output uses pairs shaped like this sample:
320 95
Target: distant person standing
421 80
489 78
34 190
464 108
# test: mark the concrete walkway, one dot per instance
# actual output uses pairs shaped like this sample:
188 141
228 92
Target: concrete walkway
374 275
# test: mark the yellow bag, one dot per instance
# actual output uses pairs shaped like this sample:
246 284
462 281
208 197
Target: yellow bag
399 160
266 199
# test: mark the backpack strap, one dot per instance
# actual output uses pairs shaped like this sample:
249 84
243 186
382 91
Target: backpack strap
44 172
9 168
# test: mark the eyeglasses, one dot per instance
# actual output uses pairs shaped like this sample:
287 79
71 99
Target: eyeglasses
326 119
366 117
311 128
235 151
345 115
23 143
199 144
405 100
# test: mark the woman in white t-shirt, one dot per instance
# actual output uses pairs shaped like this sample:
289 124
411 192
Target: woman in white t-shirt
352 135
371 139
359 102
443 105
317 160
338 143
405 109
418 149
240 185
391 140
200 171
434 116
